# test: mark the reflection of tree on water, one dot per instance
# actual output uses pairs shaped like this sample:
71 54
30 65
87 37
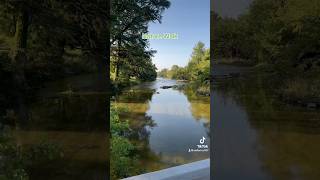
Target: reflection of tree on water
134 105
136 96
287 136
71 118
14 108
261 103
64 112
73 112
143 107
199 105
72 103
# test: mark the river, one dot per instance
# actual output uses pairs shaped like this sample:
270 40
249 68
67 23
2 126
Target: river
70 116
255 136
258 137
166 123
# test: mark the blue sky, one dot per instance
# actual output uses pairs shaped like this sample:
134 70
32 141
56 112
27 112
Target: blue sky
190 19
230 8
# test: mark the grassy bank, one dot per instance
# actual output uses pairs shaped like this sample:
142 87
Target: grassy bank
300 88
197 88
119 85
301 91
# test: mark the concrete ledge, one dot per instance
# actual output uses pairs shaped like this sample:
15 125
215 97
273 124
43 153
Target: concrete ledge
199 170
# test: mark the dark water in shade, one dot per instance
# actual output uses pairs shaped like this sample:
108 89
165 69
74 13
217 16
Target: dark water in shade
166 123
71 115
258 137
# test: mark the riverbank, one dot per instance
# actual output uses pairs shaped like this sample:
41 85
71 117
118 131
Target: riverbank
303 92
301 89
200 89
118 86
233 61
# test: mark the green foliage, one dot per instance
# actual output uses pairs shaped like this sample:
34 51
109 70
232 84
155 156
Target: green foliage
17 161
163 73
284 33
44 152
198 68
48 33
280 37
123 158
130 54
13 164
122 163
299 88
117 127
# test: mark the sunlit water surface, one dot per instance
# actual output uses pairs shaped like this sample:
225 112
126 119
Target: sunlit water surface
166 123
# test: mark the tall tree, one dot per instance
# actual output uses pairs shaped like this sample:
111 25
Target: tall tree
130 20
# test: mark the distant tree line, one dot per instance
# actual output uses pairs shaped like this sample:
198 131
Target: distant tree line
284 33
197 69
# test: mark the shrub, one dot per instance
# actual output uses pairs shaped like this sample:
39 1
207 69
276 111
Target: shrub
122 150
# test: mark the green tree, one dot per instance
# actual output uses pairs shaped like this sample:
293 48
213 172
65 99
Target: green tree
282 33
163 73
197 70
196 58
130 20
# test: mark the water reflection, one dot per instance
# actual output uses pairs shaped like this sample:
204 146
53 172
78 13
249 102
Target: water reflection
259 137
165 123
70 114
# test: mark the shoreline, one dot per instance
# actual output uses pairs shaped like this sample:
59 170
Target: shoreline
291 91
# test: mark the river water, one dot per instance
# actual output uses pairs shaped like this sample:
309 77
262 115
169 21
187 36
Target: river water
166 123
71 116
258 137
255 136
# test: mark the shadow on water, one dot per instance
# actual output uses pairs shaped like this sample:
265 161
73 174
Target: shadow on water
256 136
72 115
165 123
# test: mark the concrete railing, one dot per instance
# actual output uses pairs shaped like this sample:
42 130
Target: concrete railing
199 170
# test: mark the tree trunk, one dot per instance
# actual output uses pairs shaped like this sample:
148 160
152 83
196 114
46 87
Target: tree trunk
117 71
19 59
119 60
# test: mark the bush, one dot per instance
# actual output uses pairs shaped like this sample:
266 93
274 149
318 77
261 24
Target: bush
123 159
16 162
118 128
301 88
122 164
204 90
